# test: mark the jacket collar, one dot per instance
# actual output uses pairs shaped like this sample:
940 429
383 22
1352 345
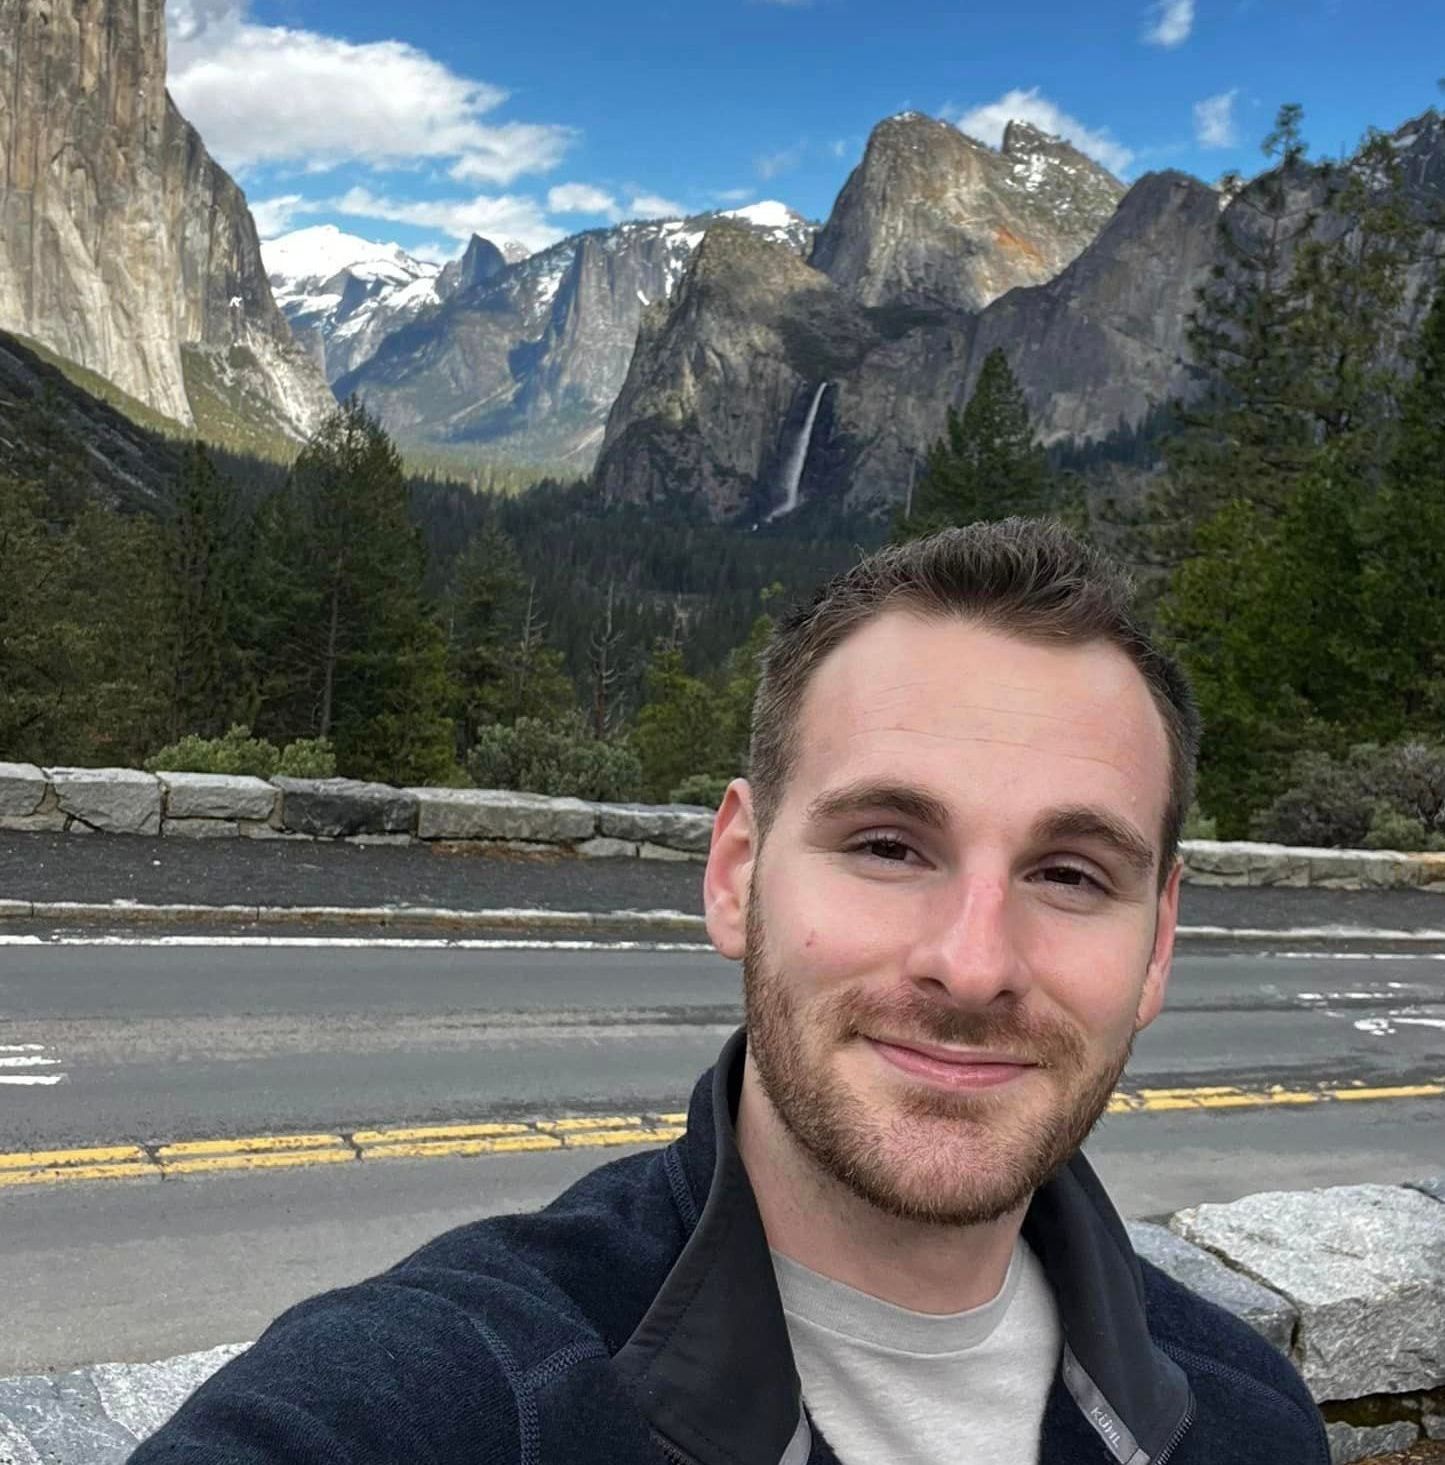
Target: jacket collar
711 1366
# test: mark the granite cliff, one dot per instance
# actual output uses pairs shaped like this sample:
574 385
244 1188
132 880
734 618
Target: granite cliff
124 247
901 303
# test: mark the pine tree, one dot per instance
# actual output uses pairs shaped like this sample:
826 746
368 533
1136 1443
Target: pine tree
483 604
202 536
1247 435
1403 590
346 648
987 464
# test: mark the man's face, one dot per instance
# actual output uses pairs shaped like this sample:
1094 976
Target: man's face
955 927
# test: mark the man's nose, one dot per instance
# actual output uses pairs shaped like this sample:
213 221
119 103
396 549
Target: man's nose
969 946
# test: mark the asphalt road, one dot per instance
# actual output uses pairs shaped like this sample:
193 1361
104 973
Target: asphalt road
158 1043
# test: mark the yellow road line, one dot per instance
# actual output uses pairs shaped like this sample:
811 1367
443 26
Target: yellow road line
282 1151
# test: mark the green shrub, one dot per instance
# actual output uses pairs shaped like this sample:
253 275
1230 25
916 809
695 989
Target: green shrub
308 758
557 759
1390 797
1198 825
706 789
237 752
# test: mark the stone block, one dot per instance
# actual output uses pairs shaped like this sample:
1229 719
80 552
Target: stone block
200 828
217 796
116 800
1265 1311
489 813
250 829
1434 1426
140 1397
332 808
649 851
1432 1185
52 823
1362 869
1364 1265
604 848
22 788
1350 1442
679 826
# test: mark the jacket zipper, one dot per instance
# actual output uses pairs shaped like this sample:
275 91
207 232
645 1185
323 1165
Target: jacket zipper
677 1455
1179 1433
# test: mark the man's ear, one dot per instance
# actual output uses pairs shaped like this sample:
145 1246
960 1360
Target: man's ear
1156 979
729 871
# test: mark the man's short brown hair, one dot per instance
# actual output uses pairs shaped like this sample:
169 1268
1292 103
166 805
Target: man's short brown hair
1029 578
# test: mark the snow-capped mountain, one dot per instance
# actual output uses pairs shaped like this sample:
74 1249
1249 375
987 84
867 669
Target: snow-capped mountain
525 360
343 294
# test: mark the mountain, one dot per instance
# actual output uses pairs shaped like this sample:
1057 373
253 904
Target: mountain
343 295
764 384
124 248
931 217
525 361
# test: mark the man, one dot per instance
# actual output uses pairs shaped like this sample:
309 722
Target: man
951 878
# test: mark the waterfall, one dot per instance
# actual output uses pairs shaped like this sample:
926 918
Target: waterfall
793 473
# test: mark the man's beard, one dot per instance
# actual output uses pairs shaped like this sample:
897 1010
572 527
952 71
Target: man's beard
946 1159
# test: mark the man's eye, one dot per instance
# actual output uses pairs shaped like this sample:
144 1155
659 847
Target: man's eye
1071 876
883 847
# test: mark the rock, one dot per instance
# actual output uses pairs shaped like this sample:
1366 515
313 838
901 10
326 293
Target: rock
1265 1311
52 823
331 808
649 851
1364 1265
604 848
1434 1185
124 247
487 813
1434 1425
22 788
217 796
679 826
200 828
116 800
1350 1442
140 1397
1356 869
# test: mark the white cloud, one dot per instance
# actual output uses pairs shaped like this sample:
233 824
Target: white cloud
734 195
1214 121
1171 22
498 219
434 252
273 216
271 94
988 121
783 161
654 206
581 198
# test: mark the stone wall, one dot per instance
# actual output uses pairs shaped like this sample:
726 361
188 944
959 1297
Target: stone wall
215 806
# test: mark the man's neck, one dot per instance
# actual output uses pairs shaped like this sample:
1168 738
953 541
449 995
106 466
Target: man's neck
817 1221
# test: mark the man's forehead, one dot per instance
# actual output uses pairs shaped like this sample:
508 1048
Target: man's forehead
949 691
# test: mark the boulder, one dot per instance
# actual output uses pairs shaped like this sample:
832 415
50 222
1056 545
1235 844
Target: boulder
22 788
1350 1442
52 822
217 796
649 851
604 848
200 828
1434 1185
116 800
334 807
1265 1311
1364 1265
489 813
678 826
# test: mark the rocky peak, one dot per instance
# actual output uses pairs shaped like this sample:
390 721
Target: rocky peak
933 217
479 263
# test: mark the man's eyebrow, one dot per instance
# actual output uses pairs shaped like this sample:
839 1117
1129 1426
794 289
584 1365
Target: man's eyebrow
869 796
1083 822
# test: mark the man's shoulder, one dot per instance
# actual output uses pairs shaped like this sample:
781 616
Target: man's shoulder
1243 1385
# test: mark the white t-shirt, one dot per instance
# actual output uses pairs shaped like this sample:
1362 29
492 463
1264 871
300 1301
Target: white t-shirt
887 1386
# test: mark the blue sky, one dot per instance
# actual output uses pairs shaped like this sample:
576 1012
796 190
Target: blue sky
419 122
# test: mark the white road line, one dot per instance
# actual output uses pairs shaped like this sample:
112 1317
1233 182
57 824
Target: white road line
406 943
28 1060
22 1047
34 1078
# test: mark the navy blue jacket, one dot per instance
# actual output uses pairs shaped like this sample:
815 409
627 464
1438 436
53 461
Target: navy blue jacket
636 1320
